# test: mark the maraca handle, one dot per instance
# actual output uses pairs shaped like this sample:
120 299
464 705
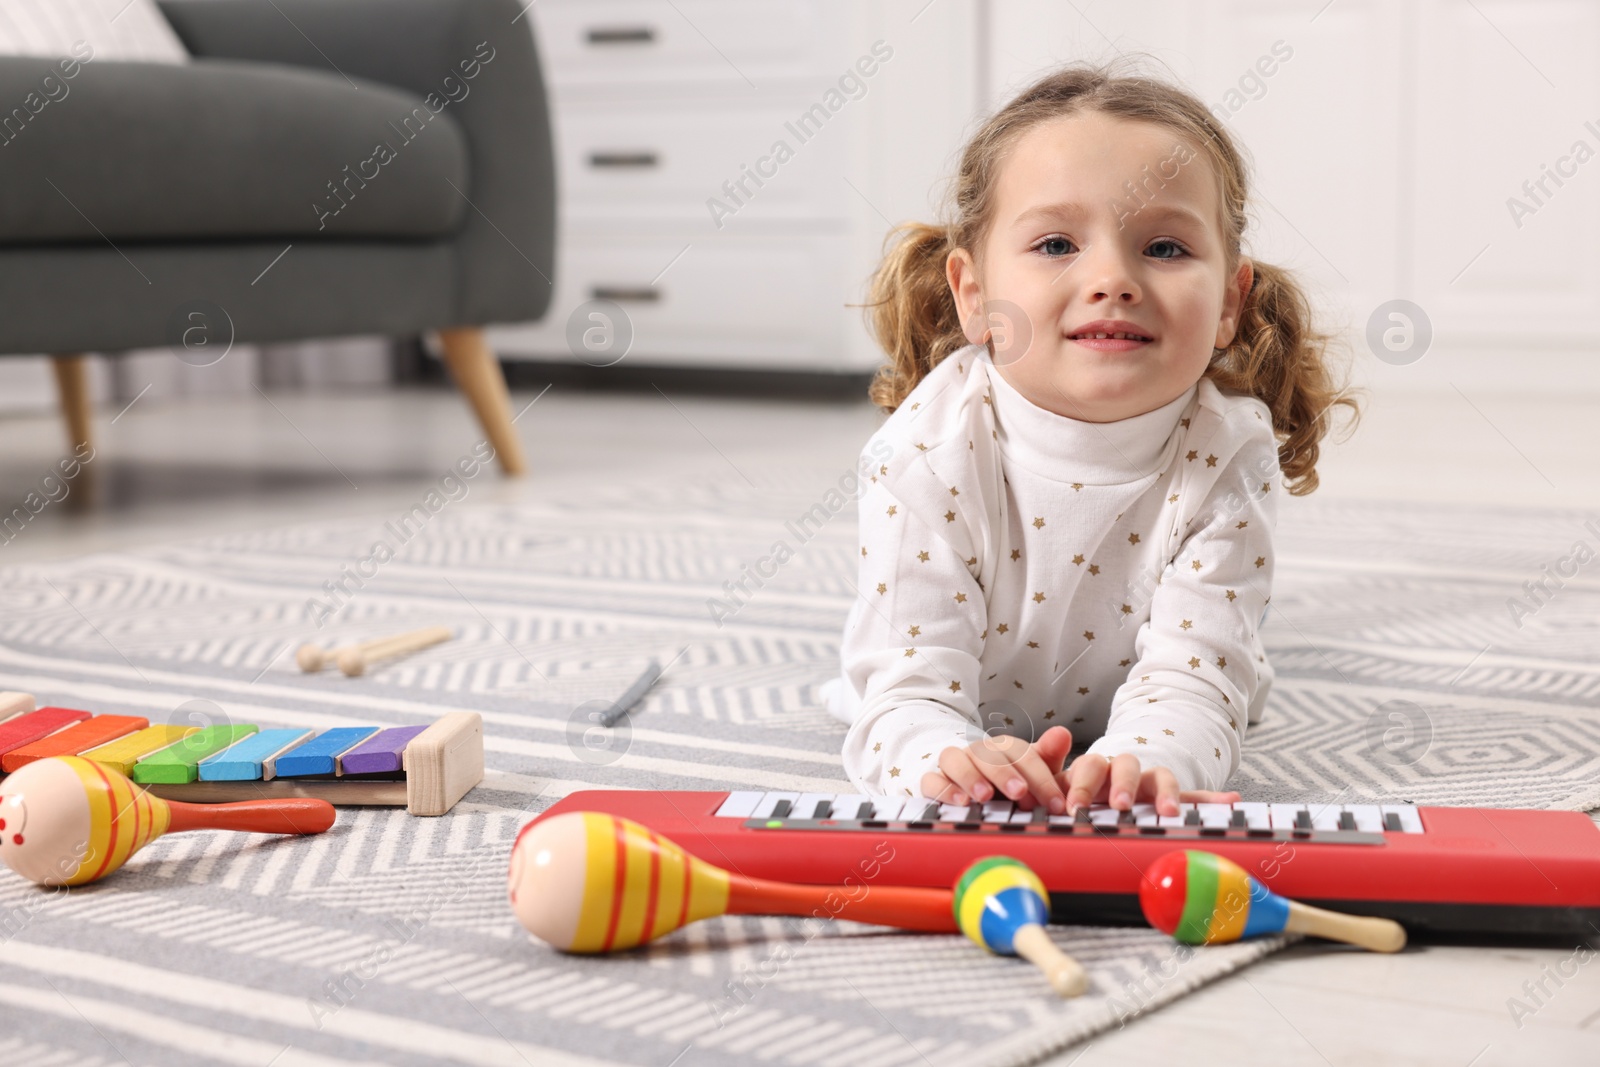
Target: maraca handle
1067 976
904 907
1378 935
292 815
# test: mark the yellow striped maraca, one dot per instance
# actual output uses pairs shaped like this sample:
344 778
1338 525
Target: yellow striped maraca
68 820
1003 906
584 881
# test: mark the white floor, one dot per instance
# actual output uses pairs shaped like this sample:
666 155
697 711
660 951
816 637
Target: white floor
185 468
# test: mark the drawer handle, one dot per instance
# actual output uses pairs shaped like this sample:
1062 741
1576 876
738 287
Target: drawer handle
621 35
623 159
618 293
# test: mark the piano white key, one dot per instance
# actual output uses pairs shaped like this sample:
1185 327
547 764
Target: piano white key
999 811
1284 815
1169 820
888 808
953 812
1018 815
1103 816
1256 816
845 805
763 810
1325 816
739 804
1369 817
1145 814
807 804
1215 814
1410 820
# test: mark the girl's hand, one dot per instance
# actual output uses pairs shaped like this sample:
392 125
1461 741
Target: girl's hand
1093 778
1028 774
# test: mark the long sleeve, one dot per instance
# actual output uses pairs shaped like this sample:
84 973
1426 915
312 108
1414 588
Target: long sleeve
1185 700
912 654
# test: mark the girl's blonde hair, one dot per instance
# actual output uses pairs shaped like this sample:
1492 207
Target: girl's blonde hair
1276 354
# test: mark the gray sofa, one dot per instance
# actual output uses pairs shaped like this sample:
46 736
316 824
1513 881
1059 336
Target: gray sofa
320 169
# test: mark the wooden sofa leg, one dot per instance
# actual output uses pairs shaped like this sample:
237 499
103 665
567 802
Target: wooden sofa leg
72 385
478 376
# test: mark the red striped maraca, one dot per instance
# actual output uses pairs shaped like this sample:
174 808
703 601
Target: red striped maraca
68 820
1202 899
589 882
1003 906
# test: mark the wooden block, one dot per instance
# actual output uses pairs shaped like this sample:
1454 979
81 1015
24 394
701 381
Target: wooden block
380 753
320 755
254 759
122 754
30 727
443 762
177 763
79 737
13 703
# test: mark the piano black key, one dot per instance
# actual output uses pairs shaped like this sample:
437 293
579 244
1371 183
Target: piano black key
824 810
1347 821
974 813
1391 822
1125 819
931 812
1238 821
1042 814
865 812
1192 817
1081 817
781 809
1302 819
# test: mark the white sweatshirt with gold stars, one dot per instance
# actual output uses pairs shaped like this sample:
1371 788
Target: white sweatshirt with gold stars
1020 569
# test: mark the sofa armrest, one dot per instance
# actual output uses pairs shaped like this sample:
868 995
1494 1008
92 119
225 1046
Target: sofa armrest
468 56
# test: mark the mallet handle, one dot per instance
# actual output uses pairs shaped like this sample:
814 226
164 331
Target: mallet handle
1378 935
353 661
291 815
887 905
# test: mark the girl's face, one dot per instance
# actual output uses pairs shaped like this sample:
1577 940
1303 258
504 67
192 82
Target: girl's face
1101 218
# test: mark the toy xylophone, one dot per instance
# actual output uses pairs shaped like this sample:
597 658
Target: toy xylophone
1438 870
424 769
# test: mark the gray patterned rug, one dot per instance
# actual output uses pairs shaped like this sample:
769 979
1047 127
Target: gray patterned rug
1402 673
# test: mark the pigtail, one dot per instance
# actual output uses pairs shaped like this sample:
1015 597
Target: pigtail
1279 356
914 317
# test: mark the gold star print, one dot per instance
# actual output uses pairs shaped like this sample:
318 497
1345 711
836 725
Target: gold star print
949 516
915 631
954 491
894 772
1144 677
1211 461
1150 700
1078 559
1127 609
1094 568
961 598
1083 690
1233 722
1141 741
1088 635
917 405
891 510
878 747
1218 751
1194 663
1002 628
1240 525
1266 487
1038 523
885 468
970 447
1222 661
927 755
981 637
1261 561
1185 624
910 652
882 588
1077 485
1033 644
1195 564
1050 714
1173 499
921 447
972 561
1185 423
991 677
1124 663
1232 595
1193 455
1019 686
1016 553
955 687
923 555
1038 598
863 550
1133 539
1170 733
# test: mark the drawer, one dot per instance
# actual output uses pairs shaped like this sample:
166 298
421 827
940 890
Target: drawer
669 159
773 302
748 43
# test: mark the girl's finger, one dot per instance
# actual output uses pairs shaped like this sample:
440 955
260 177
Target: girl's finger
1206 796
1124 781
1053 746
936 786
1086 775
1161 785
1041 783
959 769
996 758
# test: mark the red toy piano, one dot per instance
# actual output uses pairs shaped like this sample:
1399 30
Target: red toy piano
1450 871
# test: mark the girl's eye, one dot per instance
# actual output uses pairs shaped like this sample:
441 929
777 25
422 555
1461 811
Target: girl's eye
1053 246
1178 250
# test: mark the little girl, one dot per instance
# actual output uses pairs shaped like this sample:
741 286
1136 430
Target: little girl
1072 535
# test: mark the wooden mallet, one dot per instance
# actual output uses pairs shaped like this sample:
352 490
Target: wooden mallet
355 659
312 658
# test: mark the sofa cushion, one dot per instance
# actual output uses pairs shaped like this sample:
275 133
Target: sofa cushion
122 29
219 149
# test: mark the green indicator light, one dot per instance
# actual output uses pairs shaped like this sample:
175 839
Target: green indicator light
774 824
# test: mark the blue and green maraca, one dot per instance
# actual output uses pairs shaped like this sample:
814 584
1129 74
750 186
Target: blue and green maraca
1001 904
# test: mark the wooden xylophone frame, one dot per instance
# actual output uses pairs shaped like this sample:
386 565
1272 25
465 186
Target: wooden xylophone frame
440 765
